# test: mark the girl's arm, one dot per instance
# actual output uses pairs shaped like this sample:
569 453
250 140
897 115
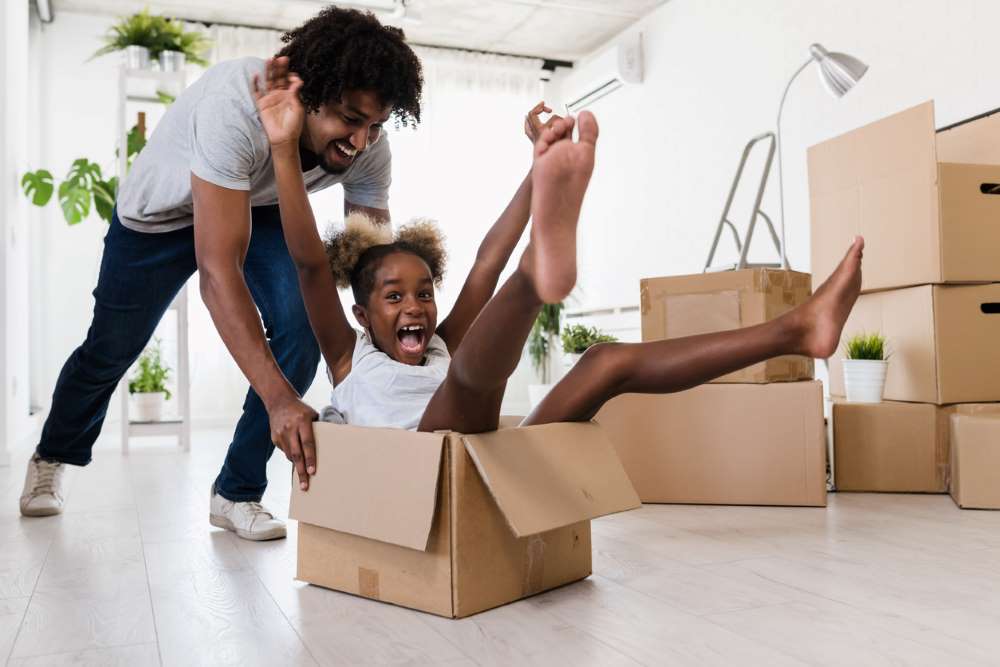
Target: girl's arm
282 115
496 248
494 252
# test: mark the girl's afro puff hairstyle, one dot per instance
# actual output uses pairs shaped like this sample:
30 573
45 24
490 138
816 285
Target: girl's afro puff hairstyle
356 251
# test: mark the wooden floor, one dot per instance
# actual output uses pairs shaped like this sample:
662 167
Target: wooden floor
132 574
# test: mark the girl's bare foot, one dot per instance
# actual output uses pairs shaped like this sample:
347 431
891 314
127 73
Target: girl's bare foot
819 321
559 180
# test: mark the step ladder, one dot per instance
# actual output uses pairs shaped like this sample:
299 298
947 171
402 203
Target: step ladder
743 246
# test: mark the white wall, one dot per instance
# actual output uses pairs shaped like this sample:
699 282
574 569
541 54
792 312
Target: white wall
715 71
14 406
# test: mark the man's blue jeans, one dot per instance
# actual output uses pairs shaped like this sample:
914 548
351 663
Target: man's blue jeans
140 275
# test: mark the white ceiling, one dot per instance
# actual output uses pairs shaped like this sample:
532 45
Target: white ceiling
551 29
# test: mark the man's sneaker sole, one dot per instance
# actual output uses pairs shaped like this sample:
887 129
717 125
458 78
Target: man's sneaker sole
260 536
40 511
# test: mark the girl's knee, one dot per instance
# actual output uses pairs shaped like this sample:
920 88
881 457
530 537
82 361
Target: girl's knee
609 360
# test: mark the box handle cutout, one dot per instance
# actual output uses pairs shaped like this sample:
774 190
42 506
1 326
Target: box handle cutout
990 308
990 188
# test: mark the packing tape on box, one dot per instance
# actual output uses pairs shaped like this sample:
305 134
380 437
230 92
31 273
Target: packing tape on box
368 583
534 566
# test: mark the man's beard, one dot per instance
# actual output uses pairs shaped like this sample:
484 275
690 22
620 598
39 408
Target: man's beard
334 169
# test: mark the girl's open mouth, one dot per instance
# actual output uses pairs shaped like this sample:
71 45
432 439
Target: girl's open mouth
411 338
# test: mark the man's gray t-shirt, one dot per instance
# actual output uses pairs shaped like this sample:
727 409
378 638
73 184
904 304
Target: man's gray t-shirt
213 130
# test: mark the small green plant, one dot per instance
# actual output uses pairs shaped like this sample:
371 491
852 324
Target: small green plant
543 332
866 346
173 37
152 375
141 29
576 338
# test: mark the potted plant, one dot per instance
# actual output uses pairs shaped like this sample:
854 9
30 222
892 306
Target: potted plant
865 368
576 338
544 332
148 386
136 36
174 46
83 185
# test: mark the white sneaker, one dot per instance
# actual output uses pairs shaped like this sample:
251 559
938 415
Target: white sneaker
250 520
43 492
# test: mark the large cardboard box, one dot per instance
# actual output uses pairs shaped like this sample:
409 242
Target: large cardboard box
943 342
723 444
678 306
975 461
455 524
926 202
895 447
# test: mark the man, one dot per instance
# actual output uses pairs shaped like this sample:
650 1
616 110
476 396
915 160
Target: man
202 195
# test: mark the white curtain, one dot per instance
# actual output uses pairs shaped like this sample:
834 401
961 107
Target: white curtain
460 166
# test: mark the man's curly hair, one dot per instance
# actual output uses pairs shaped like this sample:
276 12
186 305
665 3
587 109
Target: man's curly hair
345 49
356 252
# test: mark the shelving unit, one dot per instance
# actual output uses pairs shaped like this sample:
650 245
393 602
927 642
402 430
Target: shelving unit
133 87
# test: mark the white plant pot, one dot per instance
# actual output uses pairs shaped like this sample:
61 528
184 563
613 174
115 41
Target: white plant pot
172 61
536 392
136 57
864 380
148 406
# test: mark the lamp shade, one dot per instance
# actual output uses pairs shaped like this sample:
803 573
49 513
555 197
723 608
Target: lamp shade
838 71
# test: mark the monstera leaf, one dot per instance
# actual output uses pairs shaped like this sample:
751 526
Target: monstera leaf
37 186
83 173
75 202
104 197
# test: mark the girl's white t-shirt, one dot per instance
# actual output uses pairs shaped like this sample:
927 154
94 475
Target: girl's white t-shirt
380 391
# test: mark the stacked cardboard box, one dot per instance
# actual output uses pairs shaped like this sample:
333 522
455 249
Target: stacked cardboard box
753 437
927 203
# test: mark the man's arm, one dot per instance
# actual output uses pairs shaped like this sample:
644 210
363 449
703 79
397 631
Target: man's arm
222 236
379 215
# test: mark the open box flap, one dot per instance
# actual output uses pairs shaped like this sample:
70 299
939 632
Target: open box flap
372 482
550 476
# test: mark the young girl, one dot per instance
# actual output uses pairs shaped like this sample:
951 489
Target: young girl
405 370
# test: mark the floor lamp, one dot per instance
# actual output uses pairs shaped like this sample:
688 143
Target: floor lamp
838 72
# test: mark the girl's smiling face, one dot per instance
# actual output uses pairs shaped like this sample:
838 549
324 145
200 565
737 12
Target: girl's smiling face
401 314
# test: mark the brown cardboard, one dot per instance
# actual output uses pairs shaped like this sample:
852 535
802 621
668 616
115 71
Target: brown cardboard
471 560
942 341
725 444
975 461
921 199
678 306
895 447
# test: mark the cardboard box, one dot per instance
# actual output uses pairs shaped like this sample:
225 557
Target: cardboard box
975 461
895 447
925 201
942 341
455 524
723 444
678 306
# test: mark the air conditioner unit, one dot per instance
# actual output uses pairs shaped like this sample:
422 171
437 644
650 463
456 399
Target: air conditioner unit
619 65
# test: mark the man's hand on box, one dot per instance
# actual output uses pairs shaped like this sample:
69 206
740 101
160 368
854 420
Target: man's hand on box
533 125
292 433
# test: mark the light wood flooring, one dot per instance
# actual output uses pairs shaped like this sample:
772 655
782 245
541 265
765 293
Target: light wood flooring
132 574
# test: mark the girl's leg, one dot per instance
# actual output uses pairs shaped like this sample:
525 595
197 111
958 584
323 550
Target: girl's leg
469 399
605 371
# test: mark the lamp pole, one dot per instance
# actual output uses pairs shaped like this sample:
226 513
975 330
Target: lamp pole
781 179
